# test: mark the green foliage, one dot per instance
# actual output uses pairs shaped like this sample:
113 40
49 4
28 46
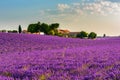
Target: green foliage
104 35
51 32
19 29
45 28
59 34
9 31
54 26
92 35
33 28
3 30
82 34
56 31
14 31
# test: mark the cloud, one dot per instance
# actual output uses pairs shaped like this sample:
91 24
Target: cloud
103 7
86 7
72 9
98 7
62 7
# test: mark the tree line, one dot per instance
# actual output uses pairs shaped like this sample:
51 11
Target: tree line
13 31
83 34
47 29
52 29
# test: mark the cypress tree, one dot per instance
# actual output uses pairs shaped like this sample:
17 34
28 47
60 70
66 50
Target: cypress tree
19 29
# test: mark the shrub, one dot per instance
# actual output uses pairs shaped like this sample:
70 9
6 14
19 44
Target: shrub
104 35
9 31
14 31
59 34
92 35
82 34
52 32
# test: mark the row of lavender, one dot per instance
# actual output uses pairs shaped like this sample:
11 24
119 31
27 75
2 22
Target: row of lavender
35 57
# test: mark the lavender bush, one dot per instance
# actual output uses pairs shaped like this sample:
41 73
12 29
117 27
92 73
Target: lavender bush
35 57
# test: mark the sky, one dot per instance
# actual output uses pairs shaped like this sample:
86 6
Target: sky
100 16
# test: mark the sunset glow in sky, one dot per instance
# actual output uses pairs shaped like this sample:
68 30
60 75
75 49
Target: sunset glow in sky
100 16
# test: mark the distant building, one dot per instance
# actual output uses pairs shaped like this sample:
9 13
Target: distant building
64 32
42 33
24 31
73 34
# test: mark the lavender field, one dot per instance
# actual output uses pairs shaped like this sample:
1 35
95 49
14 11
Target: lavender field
37 57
